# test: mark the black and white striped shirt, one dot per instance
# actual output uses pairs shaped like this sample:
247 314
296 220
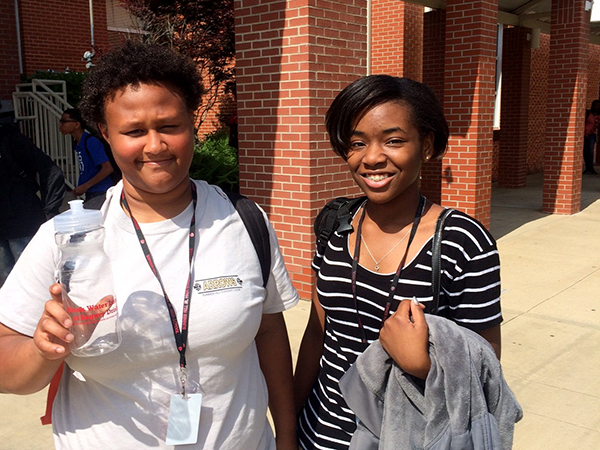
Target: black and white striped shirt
470 295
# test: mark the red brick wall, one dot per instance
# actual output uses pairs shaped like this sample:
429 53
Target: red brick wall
212 118
293 57
538 87
117 38
413 41
593 78
434 35
9 63
469 104
567 91
397 39
212 121
56 33
434 55
496 155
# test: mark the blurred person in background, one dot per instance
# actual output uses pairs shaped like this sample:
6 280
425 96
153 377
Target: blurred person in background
94 166
25 170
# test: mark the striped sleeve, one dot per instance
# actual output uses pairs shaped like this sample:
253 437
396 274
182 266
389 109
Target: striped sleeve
471 273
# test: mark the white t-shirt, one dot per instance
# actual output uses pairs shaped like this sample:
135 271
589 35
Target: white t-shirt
121 400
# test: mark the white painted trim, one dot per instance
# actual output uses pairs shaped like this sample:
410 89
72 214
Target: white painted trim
127 30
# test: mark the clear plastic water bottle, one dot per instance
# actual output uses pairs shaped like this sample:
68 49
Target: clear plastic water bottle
85 275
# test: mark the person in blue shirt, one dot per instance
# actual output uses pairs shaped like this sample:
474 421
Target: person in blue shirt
94 166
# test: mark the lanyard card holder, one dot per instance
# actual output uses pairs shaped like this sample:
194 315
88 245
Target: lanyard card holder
184 419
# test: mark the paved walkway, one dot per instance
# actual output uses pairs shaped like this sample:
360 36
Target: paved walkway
551 331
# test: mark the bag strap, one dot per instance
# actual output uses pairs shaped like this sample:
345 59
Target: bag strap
254 222
52 391
436 259
336 215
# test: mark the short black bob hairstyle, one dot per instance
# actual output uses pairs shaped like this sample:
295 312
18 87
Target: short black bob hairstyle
133 64
364 94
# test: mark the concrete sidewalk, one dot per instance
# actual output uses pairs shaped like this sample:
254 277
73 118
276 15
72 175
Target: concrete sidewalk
551 306
551 329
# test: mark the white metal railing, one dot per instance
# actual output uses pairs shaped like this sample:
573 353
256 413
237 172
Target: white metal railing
38 107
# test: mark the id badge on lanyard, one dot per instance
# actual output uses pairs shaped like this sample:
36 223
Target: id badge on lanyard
184 410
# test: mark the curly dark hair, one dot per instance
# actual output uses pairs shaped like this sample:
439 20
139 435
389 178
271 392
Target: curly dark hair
133 64
366 93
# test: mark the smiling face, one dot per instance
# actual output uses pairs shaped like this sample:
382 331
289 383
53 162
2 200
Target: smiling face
151 134
386 153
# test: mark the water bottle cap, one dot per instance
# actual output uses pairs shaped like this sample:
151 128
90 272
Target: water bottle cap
77 218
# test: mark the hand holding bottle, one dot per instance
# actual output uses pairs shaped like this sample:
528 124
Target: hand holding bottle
52 336
85 320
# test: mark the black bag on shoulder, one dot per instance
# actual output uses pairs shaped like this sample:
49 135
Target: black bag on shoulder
336 215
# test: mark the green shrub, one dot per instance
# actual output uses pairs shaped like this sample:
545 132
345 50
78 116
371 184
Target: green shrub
216 162
74 82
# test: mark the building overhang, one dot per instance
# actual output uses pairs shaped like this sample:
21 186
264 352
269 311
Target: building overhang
534 14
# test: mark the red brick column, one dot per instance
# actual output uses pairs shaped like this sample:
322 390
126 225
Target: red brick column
538 92
434 38
9 63
434 51
469 105
516 72
397 39
567 84
293 57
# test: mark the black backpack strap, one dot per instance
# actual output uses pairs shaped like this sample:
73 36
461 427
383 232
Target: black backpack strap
336 215
257 229
436 259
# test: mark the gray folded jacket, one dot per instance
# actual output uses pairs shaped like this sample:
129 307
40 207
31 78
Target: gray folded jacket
465 404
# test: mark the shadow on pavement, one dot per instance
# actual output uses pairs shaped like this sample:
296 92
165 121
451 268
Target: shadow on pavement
512 208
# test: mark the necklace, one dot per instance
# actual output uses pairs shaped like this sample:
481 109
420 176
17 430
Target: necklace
384 256
395 280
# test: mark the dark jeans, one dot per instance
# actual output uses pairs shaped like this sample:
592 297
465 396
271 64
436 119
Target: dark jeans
589 144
